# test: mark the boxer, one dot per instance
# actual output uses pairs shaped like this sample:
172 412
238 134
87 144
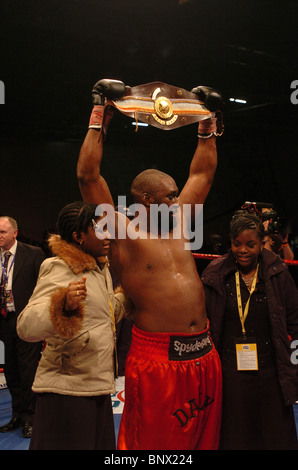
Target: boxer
172 400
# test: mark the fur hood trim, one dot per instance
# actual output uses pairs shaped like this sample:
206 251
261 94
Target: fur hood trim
77 260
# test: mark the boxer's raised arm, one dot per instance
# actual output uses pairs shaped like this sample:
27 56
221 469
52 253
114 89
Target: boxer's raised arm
92 185
201 173
204 162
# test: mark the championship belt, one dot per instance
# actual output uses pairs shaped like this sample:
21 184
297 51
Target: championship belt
160 105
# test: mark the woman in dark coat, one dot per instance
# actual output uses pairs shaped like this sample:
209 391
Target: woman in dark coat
252 304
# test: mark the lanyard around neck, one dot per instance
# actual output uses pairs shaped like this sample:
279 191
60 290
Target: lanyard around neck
243 315
5 272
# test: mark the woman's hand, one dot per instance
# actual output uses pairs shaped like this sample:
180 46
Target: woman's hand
76 293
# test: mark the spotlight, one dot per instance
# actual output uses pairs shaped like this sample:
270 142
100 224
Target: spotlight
140 124
237 100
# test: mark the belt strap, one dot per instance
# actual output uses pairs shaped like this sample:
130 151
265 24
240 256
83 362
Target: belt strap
161 105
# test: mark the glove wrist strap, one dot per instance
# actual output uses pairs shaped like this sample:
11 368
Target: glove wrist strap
212 127
96 117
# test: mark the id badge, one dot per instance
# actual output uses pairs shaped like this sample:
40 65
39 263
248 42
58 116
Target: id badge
9 298
246 354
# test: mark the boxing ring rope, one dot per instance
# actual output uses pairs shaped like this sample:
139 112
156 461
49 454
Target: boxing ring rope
289 262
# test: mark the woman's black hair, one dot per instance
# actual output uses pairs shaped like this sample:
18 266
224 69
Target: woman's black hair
243 220
75 217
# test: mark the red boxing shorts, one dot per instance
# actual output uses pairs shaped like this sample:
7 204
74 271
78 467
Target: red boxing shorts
172 393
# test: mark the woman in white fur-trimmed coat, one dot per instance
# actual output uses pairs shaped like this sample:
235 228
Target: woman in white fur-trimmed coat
73 309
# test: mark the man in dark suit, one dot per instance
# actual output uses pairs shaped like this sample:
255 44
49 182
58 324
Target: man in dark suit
19 270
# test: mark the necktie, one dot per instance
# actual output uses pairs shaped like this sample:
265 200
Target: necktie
3 284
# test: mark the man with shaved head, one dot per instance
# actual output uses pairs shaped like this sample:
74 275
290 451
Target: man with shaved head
172 371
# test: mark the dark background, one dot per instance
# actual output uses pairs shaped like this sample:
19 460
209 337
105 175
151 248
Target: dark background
53 51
